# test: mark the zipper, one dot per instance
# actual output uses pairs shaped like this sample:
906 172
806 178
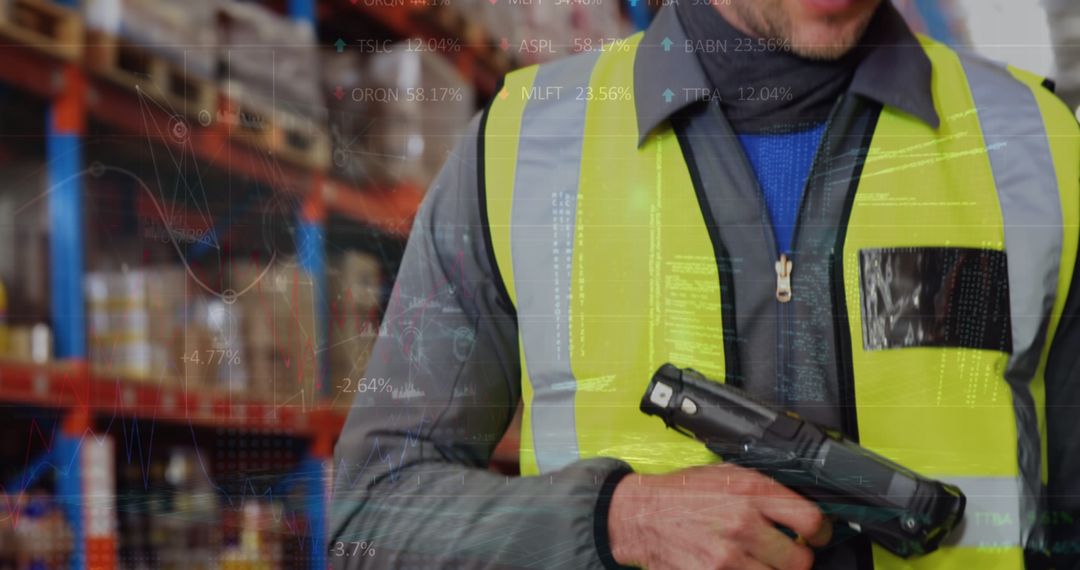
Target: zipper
815 165
785 264
783 279
783 322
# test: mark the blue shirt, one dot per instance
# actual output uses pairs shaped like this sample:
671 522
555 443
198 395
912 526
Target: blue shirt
782 163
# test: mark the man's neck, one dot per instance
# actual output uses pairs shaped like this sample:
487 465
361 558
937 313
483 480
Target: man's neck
763 87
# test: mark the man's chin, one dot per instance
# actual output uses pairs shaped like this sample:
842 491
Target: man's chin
826 42
820 52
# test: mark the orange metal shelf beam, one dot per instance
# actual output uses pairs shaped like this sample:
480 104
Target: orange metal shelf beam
31 70
73 387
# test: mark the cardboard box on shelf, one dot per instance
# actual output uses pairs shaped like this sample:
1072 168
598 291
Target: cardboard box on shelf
271 55
280 338
347 119
255 117
165 50
132 317
355 281
181 32
47 26
418 105
209 348
191 351
144 326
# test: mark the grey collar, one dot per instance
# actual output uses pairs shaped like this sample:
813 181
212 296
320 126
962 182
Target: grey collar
668 78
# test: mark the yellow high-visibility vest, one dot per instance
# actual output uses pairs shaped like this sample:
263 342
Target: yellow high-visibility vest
612 272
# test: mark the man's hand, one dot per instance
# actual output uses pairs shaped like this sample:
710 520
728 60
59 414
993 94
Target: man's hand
717 517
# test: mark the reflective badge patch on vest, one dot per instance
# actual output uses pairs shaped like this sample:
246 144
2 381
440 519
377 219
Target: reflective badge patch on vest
935 296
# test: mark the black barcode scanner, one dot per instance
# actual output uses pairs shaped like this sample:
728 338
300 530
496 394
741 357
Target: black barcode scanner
900 510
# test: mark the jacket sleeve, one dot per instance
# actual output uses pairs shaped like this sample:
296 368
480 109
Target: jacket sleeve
1063 435
409 472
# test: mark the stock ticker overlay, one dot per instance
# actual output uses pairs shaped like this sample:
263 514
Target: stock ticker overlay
393 284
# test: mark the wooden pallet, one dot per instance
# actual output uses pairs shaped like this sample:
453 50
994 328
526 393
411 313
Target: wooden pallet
289 136
44 25
155 76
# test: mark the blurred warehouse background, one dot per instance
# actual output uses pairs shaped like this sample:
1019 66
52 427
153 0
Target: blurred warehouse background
203 205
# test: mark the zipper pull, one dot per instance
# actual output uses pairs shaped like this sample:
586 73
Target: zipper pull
783 279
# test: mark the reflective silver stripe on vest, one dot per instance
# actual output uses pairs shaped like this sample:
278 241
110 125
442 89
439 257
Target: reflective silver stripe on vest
1023 166
542 244
993 516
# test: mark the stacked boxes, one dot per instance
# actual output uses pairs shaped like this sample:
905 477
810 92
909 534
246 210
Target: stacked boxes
209 348
280 337
144 326
132 321
272 57
270 76
151 324
178 31
47 26
29 343
417 106
269 71
348 120
167 50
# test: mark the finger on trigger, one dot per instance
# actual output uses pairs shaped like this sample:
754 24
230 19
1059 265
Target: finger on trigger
822 536
778 550
798 514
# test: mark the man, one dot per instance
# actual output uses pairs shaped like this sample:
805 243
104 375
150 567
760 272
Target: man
795 196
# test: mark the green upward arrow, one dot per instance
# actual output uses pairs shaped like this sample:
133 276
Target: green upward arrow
340 45
667 95
667 43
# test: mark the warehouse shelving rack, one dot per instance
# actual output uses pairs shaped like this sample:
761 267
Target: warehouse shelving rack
75 96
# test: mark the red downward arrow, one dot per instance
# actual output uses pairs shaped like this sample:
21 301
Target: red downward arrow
339 93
